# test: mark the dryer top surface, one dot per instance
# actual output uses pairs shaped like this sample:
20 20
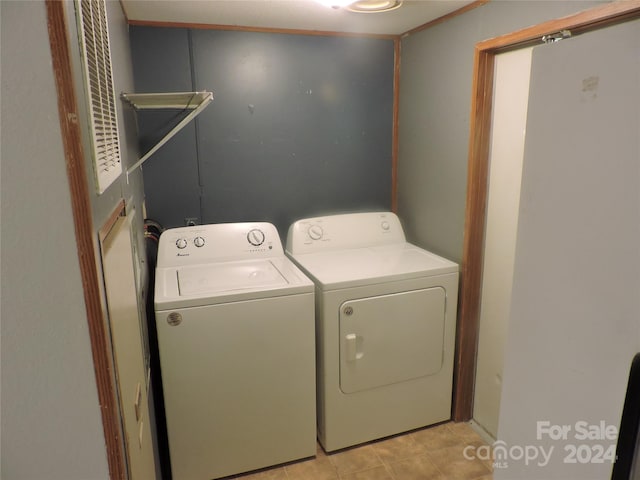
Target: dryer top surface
364 266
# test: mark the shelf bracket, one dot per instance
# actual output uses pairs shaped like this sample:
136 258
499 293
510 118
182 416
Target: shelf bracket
194 101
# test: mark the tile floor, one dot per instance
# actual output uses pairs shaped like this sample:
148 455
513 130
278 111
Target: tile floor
432 453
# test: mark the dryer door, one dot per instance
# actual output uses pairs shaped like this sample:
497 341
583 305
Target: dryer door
391 338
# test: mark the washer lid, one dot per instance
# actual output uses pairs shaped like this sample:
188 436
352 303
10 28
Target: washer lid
365 266
223 282
225 277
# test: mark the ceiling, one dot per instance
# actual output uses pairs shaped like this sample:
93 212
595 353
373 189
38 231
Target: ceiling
291 14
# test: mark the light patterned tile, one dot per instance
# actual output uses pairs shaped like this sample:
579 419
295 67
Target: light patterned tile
487 459
435 438
465 432
397 448
416 468
355 460
319 468
454 453
485 477
452 463
271 474
434 453
467 470
376 473
320 453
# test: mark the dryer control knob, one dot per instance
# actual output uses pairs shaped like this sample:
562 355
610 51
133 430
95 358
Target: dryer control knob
255 237
315 232
181 243
385 225
198 242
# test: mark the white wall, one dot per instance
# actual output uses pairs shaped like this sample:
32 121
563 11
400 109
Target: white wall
435 101
51 421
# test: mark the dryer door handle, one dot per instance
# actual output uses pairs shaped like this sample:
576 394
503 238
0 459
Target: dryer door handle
353 347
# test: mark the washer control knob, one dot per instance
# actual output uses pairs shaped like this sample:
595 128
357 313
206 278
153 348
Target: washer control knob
315 232
385 225
181 243
255 237
198 242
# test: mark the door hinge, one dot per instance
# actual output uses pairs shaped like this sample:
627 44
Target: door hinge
556 37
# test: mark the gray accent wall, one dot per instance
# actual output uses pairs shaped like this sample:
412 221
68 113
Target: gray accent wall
51 420
435 101
301 125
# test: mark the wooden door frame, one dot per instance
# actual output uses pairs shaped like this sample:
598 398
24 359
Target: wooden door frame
84 233
477 177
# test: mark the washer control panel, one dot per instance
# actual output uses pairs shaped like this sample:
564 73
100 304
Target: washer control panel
218 242
183 243
353 230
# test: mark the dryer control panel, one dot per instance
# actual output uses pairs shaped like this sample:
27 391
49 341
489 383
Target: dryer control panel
353 230
218 243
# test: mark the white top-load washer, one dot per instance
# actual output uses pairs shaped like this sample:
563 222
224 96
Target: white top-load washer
385 326
236 337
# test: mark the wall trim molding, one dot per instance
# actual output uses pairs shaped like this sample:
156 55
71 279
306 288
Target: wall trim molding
477 178
287 31
396 115
118 211
444 18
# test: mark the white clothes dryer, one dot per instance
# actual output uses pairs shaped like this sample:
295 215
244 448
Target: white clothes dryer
385 326
235 321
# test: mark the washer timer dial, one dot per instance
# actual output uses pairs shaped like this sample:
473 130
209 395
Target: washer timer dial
315 232
256 237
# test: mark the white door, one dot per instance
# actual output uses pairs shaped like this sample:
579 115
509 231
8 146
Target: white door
575 306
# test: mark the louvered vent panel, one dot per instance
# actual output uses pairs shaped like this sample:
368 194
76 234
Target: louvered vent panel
102 101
